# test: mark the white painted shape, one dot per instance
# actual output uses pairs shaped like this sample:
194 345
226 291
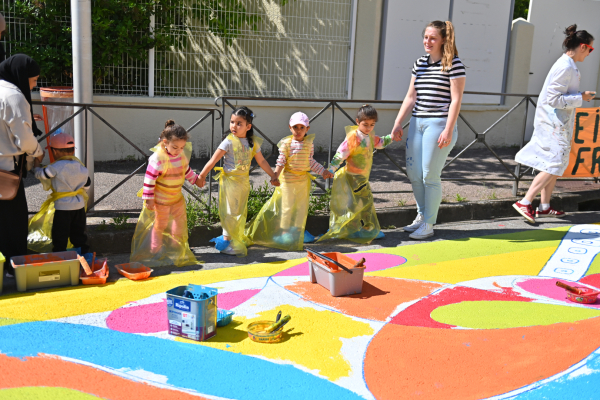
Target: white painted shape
145 375
574 254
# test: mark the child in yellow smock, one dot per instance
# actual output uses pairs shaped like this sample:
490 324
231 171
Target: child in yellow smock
282 220
237 150
161 234
352 210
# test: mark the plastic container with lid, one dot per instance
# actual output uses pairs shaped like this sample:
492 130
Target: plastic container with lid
332 277
38 271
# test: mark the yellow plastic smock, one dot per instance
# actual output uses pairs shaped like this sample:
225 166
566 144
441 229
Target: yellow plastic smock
39 238
287 209
352 209
234 187
161 235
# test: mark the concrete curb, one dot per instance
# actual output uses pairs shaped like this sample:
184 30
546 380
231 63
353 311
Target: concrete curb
116 242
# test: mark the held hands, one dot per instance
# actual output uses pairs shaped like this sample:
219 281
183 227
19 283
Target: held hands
36 162
200 181
445 139
327 174
397 133
275 180
588 96
150 204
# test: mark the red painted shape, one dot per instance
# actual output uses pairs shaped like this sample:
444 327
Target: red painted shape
419 314
592 280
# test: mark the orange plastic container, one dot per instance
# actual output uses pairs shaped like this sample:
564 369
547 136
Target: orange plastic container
134 271
99 273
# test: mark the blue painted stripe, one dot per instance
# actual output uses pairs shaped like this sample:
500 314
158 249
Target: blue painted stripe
190 366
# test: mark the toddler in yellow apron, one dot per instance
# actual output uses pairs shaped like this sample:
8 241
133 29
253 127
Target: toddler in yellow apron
237 150
61 221
352 211
161 234
282 220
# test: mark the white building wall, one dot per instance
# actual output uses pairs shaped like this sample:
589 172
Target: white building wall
481 36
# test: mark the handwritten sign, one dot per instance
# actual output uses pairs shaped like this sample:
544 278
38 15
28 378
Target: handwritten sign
584 160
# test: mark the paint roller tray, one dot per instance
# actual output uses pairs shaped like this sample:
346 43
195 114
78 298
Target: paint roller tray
134 271
99 273
224 317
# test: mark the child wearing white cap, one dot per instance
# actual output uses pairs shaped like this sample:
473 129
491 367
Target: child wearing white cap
282 220
62 216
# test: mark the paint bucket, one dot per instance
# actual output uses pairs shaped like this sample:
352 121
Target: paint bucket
38 271
193 317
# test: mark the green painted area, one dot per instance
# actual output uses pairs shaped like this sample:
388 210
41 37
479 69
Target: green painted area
11 321
44 393
508 314
449 250
594 267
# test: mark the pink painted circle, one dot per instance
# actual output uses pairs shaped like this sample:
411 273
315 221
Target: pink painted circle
373 262
152 318
547 287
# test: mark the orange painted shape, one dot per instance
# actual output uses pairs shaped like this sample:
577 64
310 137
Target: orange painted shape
54 372
379 298
472 364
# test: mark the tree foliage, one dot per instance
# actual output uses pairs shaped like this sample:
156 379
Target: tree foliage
521 9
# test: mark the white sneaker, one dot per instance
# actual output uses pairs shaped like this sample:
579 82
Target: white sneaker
416 224
229 250
424 231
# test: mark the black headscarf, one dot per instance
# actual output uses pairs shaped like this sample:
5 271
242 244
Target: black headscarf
17 70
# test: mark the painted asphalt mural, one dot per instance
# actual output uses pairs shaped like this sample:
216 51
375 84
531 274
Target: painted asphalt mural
462 319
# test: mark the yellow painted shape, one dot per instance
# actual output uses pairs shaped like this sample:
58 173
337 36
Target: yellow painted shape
43 393
79 300
312 339
508 314
528 262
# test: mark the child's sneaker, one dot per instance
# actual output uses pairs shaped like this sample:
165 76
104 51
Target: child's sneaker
551 212
284 239
308 238
220 243
229 251
425 231
416 224
525 210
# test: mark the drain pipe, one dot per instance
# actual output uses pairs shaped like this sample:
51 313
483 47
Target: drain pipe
83 90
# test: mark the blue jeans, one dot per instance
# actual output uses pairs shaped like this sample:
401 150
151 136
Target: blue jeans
424 162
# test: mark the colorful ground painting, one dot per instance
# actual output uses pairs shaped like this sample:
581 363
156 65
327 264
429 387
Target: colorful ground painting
463 319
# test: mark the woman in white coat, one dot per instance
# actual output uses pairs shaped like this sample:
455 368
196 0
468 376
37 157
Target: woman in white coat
550 146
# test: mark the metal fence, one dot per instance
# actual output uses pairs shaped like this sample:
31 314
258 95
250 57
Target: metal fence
89 111
301 49
516 176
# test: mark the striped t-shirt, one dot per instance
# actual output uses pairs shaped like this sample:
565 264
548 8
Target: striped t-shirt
155 171
433 87
296 147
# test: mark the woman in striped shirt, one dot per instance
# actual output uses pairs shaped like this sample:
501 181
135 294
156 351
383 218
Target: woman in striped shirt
161 235
433 99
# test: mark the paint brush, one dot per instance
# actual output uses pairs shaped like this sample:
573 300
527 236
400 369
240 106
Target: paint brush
570 288
84 264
